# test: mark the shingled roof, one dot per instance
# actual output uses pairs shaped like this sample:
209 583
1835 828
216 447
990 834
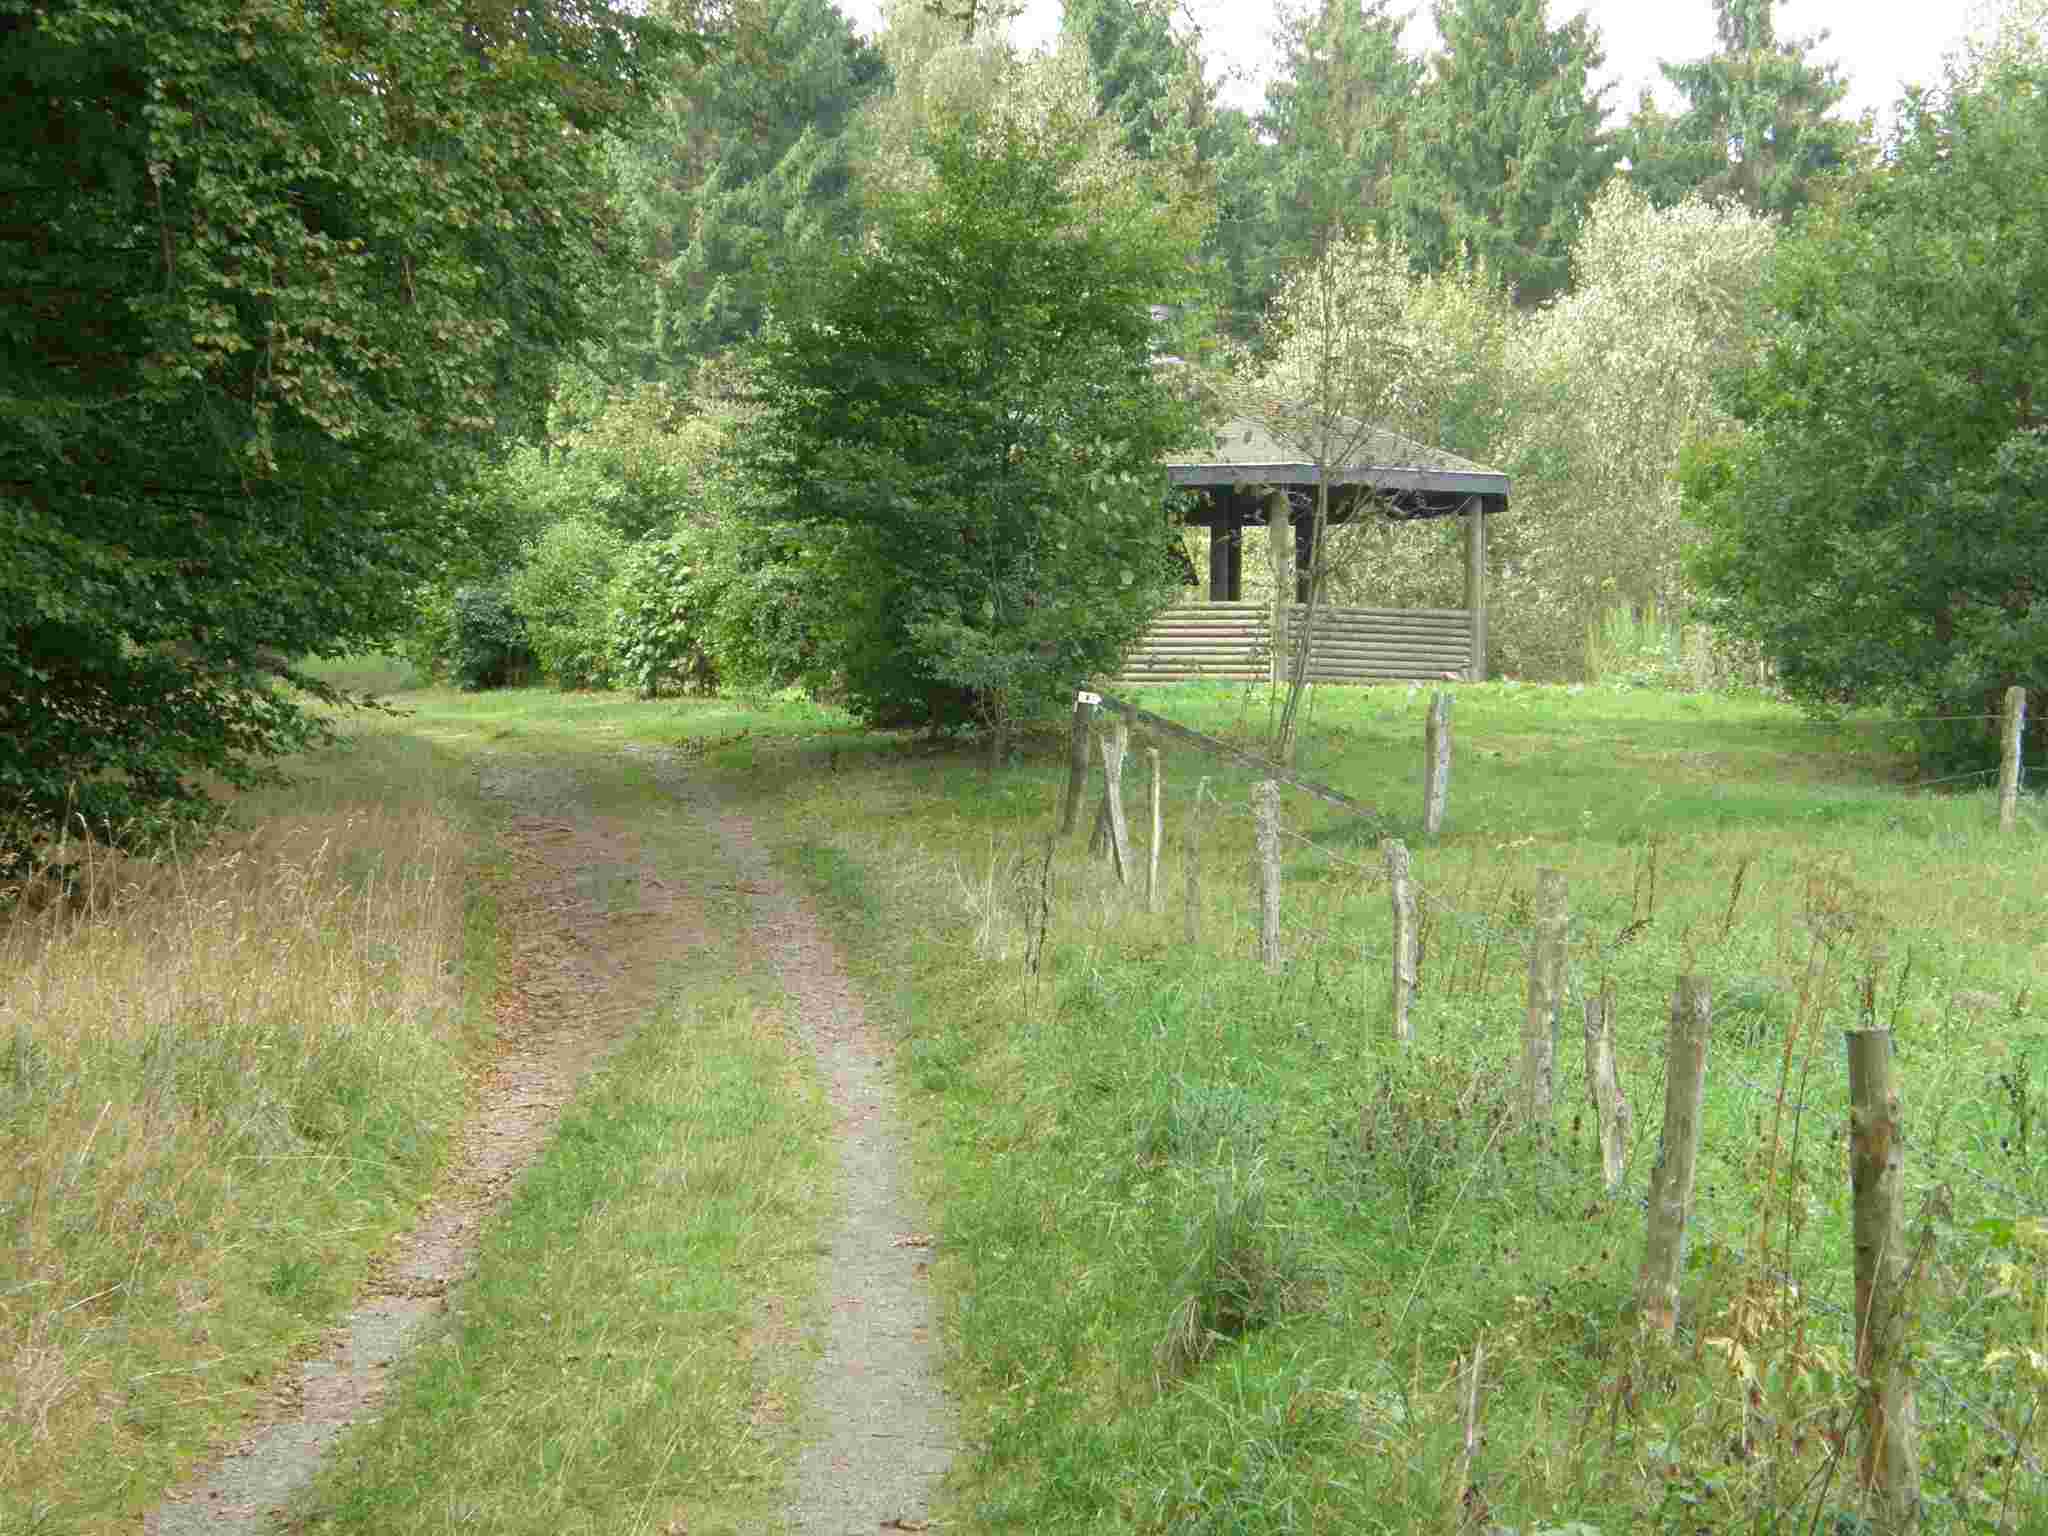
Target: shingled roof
1246 452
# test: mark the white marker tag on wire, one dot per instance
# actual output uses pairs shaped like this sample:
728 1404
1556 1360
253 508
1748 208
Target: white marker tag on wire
1084 697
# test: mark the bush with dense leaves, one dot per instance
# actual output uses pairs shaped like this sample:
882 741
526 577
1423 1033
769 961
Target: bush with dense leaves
562 590
486 639
964 417
659 618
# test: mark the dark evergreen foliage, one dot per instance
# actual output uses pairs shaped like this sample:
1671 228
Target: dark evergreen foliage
1506 148
1755 126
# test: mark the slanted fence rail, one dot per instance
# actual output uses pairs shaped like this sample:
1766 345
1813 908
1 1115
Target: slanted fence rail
1232 642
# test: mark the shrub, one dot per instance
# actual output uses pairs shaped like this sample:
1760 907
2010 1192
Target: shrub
658 617
563 592
486 638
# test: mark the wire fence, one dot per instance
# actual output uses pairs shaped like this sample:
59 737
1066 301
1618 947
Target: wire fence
1774 1205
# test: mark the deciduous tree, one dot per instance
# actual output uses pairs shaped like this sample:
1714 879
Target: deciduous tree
1880 524
272 274
966 410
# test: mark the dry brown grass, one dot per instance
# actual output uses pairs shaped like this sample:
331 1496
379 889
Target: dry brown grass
223 1080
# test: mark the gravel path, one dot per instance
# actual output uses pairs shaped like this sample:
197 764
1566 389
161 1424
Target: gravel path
878 1433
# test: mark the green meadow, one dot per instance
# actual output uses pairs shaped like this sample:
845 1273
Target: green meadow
1214 1245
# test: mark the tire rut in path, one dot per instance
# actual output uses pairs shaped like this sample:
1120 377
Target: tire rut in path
583 970
878 1431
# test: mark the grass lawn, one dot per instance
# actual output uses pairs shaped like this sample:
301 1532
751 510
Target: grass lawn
1214 1245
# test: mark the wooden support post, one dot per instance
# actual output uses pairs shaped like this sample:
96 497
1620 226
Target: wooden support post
2012 732
1114 746
1194 869
1678 1155
1436 767
1475 584
1612 1118
1152 852
1266 815
1401 890
1219 558
1280 550
1077 764
1546 992
1890 1466
1305 553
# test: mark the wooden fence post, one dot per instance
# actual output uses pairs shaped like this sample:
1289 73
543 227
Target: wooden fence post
1041 913
1194 858
1436 752
1152 852
1266 814
1402 892
1546 990
1114 746
1890 1467
1077 764
1464 1491
1612 1118
1678 1155
2013 731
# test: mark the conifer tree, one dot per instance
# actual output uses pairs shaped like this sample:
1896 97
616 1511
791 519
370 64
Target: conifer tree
1337 114
747 152
1135 56
1506 148
1755 126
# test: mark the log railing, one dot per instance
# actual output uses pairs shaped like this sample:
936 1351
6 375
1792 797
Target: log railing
1233 642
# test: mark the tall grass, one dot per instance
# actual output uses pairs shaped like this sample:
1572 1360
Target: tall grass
223 1080
1215 1246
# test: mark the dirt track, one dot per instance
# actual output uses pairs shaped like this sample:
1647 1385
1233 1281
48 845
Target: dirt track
591 924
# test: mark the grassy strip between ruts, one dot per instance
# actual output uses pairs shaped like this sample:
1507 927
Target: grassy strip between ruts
1213 1246
223 1085
623 1360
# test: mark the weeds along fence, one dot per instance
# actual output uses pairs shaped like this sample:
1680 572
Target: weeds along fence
1831 1203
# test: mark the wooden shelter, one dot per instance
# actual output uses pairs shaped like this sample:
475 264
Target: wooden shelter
1248 480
